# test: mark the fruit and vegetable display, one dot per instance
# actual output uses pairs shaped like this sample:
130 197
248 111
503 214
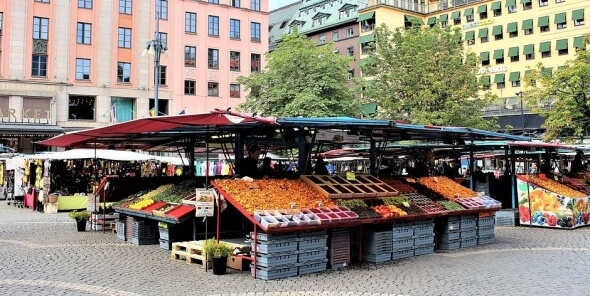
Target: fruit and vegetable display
143 203
366 213
554 186
450 205
399 201
389 211
272 194
399 185
351 203
446 187
426 204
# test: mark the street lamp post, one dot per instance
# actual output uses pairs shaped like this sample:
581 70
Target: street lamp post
156 47
520 94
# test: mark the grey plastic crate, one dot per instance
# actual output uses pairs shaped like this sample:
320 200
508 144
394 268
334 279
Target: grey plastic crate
424 250
274 260
306 256
450 245
451 226
274 237
482 240
165 244
485 231
273 274
403 224
378 235
486 221
312 242
121 230
403 244
468 217
469 242
401 254
279 246
424 229
312 233
376 258
164 234
423 222
423 240
468 224
378 249
312 268
339 265
449 236
468 233
142 242
453 218
403 231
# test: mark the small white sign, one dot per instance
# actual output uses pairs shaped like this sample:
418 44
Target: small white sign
205 202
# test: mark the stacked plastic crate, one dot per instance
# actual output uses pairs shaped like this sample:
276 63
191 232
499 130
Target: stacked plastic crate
403 240
121 229
450 238
423 237
276 255
468 231
485 230
507 217
312 252
143 232
339 248
165 242
377 246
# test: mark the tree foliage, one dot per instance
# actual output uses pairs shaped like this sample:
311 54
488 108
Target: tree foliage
567 91
424 76
301 79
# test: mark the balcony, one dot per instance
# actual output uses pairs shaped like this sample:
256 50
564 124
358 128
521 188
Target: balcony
425 7
368 28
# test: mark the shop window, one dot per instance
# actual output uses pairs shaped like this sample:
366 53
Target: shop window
514 59
81 108
190 87
213 89
123 108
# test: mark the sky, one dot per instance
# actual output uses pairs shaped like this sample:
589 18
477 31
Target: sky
274 4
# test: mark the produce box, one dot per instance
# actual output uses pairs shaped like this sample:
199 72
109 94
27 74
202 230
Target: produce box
276 246
468 233
237 263
423 240
312 255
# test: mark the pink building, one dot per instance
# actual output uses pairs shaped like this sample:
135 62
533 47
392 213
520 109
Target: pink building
75 64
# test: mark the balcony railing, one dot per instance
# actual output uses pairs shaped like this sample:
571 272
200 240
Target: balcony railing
425 8
368 28
499 110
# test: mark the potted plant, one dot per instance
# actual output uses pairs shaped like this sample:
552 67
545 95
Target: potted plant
81 218
218 252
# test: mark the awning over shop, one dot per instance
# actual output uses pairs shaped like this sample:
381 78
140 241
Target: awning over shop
366 16
29 129
366 38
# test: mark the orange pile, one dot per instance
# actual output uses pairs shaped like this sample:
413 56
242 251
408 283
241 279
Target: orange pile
555 187
447 188
273 194
389 211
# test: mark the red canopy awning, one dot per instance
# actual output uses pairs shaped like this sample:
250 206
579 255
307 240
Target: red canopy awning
153 125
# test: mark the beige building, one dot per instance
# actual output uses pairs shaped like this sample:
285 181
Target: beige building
509 36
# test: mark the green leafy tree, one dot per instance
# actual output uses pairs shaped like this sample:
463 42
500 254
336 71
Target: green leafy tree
567 90
423 76
301 79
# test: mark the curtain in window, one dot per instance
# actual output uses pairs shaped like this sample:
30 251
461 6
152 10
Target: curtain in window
123 109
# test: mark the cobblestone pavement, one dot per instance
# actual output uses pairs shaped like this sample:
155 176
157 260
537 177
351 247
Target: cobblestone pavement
42 254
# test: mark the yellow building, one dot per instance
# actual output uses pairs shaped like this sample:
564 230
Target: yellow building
508 35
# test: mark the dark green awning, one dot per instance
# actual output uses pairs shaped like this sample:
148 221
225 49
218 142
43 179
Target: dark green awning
514 76
470 35
512 27
528 49
497 30
499 78
561 67
545 46
561 44
525 1
414 19
527 24
510 3
498 53
578 14
496 5
366 16
543 21
484 56
579 42
369 108
513 51
560 18
468 12
512 100
443 17
528 72
455 15
483 32
547 72
482 8
485 80
431 20
366 38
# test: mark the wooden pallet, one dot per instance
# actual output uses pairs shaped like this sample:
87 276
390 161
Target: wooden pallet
191 252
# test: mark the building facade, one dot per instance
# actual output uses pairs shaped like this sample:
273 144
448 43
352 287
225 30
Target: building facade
79 64
509 36
278 25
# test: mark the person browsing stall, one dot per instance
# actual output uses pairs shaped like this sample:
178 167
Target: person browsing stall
249 165
422 168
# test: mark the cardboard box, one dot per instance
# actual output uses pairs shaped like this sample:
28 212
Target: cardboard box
50 208
238 263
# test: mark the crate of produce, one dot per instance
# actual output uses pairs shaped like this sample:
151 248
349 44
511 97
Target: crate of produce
402 244
482 240
487 221
376 258
276 246
313 267
401 254
468 233
312 255
468 224
312 242
164 233
485 231
469 242
165 244
450 245
273 274
424 250
423 240
423 229
276 259
449 236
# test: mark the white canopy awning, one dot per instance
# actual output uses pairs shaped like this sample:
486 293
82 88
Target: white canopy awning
116 155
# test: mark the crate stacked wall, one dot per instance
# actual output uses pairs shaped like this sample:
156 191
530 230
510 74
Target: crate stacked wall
486 230
458 232
276 255
339 248
312 252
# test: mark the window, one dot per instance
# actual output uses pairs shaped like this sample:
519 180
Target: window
544 23
43 1
498 11
500 60
213 89
564 51
162 9
85 3
484 57
162 106
561 20
234 90
162 73
349 32
562 47
350 51
335 35
214 1
255 31
235 3
527 5
40 28
516 83
543 3
546 54
190 56
469 18
483 15
347 12
499 36
255 5
213 58
513 34
578 17
350 74
501 85
484 39
234 29
255 62
83 33
528 31
190 87
39 66
530 56
81 108
512 9
124 108
443 24
124 38
213 25
514 59
234 61
322 39
123 72
82 69
190 22
125 6
163 38
456 21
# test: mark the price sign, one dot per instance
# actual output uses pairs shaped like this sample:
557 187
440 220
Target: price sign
205 204
350 176
410 180
406 204
436 179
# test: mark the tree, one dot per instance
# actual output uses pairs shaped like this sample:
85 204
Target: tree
301 79
567 90
423 76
